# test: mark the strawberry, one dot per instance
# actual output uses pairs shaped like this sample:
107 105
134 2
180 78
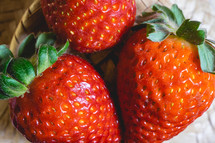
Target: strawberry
90 25
165 76
65 100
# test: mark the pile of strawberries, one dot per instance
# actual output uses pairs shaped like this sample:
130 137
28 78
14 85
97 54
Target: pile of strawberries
165 74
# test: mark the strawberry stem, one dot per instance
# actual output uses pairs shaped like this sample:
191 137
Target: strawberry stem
147 17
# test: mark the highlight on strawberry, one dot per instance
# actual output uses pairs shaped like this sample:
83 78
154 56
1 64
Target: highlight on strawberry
165 75
54 96
90 25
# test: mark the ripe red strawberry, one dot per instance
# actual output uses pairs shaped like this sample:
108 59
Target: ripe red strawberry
164 82
90 25
64 102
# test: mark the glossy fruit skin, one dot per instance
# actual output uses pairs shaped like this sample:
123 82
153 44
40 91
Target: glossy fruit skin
67 103
161 87
90 25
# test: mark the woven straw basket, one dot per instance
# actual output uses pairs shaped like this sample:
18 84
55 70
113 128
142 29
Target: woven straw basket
201 131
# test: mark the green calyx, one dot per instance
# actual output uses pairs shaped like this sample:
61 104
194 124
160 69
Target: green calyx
35 55
163 22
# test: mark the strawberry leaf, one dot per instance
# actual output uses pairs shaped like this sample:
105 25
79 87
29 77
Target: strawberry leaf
21 70
207 57
6 66
166 11
157 32
63 49
179 16
27 47
11 87
162 21
189 31
47 55
45 38
5 57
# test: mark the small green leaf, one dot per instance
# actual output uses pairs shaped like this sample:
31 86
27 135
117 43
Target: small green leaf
179 16
45 38
47 56
189 31
22 70
11 87
166 11
5 57
6 66
207 57
157 32
63 49
27 47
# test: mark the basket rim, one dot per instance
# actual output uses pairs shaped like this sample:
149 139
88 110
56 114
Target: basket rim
20 29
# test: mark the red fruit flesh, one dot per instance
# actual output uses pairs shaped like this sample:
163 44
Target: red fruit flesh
67 103
90 25
161 87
